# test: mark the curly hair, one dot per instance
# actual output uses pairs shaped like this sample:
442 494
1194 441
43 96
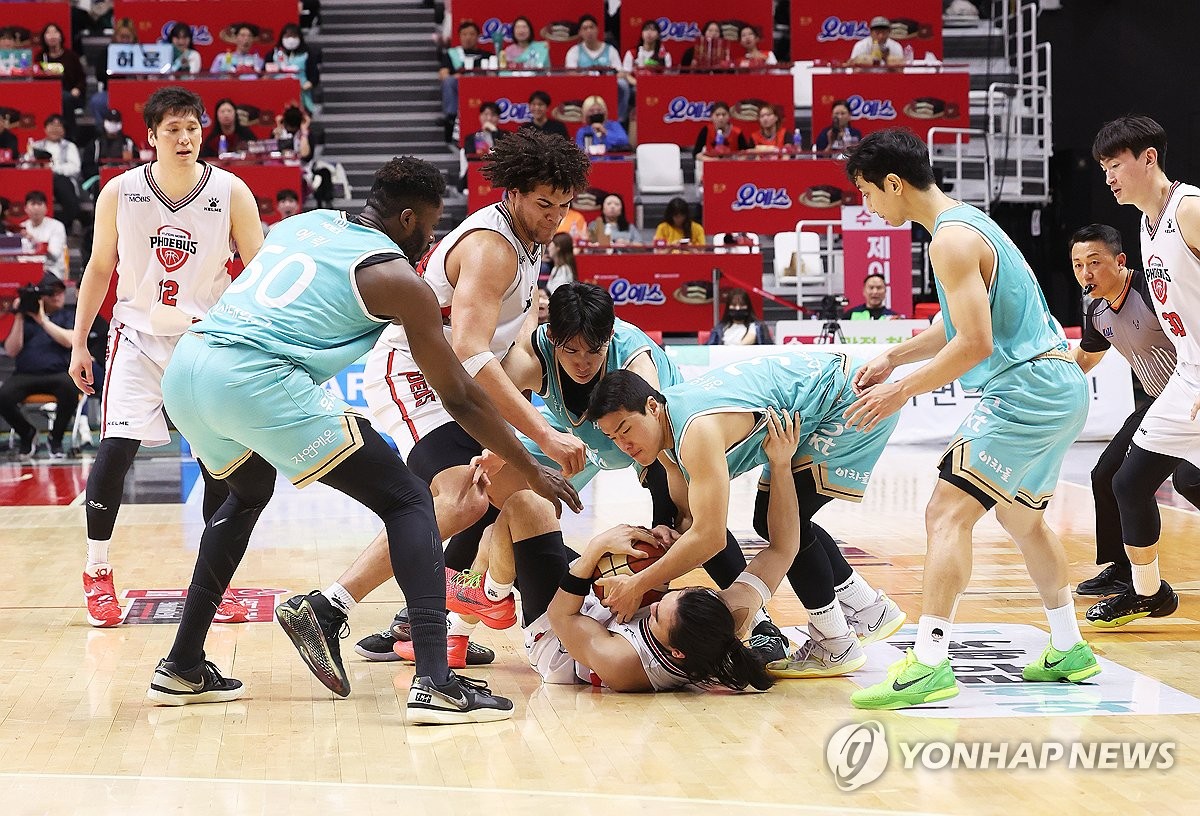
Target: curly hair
404 181
529 157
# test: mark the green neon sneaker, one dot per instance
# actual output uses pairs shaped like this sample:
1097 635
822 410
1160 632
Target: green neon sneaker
909 683
1072 666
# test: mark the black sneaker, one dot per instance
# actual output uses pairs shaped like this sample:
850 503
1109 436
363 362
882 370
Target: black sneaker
768 642
27 445
56 451
315 626
1112 580
378 647
169 687
463 700
1129 606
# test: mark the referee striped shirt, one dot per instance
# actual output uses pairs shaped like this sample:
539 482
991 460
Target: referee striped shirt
1134 331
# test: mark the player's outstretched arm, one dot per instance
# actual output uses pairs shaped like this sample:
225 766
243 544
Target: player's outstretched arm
93 288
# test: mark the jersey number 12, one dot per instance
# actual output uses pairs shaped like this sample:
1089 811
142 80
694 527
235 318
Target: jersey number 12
167 290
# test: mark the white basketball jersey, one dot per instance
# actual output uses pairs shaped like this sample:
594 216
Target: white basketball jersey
664 675
171 255
517 299
1173 274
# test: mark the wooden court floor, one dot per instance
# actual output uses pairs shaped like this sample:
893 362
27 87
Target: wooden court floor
78 736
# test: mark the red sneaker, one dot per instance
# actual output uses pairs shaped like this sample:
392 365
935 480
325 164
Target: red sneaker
101 596
456 651
231 610
465 595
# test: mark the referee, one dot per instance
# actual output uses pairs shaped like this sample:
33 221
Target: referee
1120 316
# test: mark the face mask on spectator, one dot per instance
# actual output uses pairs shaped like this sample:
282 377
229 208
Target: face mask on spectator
291 43
112 128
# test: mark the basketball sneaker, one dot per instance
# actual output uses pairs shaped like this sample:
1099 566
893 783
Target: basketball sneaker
462 700
1129 606
1112 580
231 610
821 657
315 627
101 596
457 647
1074 665
170 687
465 595
909 683
876 622
378 647
768 642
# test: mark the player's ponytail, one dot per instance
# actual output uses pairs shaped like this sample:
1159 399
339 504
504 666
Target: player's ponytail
713 654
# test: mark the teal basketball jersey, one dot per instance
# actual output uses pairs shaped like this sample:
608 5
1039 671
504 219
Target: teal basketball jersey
297 299
1022 326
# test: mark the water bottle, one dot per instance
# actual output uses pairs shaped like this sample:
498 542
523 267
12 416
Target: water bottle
797 140
719 139
908 54
222 145
587 142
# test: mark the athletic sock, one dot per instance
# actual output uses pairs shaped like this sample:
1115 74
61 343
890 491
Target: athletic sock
1064 627
1146 579
495 590
458 626
933 640
340 597
428 628
829 620
759 616
855 593
97 551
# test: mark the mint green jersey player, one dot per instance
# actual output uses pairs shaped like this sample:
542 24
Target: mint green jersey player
814 384
627 344
1034 400
248 376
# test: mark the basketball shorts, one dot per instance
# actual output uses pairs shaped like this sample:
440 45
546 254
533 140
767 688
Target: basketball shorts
1011 447
231 400
547 656
1167 427
401 402
132 398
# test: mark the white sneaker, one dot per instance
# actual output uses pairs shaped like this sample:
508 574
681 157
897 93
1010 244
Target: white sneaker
876 622
822 657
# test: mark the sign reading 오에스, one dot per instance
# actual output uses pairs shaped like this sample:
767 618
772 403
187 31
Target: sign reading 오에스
680 24
555 24
768 195
511 93
883 100
827 30
672 108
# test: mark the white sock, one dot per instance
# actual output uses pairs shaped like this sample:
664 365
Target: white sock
340 597
933 640
829 620
855 593
495 590
97 552
1064 627
1146 579
458 626
759 617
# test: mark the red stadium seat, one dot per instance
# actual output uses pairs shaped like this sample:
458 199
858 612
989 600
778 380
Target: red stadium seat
702 337
1073 332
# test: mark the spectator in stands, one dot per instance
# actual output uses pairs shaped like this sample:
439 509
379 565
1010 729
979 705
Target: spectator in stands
544 304
44 234
720 136
599 129
574 225
749 36
872 308
771 134
293 55
484 139
56 58
539 107
10 148
110 145
123 33
878 48
242 59
840 134
648 56
739 324
225 123
562 255
710 50
184 58
592 53
613 227
64 161
466 56
525 51
677 226
96 21
40 342
287 204
310 14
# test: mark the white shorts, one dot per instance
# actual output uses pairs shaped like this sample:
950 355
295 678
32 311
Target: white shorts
132 402
547 656
1166 428
399 398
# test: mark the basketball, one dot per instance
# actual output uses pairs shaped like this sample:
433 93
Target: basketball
621 564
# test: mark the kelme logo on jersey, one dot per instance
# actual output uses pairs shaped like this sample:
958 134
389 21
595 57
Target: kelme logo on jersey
1158 278
173 247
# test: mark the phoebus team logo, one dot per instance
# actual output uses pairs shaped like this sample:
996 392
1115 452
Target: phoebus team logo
857 754
173 247
1158 277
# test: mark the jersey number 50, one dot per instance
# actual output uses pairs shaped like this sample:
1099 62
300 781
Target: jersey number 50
297 282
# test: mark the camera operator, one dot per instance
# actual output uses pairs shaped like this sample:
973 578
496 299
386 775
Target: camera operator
41 230
874 293
40 343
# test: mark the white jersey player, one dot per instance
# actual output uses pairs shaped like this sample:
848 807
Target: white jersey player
166 229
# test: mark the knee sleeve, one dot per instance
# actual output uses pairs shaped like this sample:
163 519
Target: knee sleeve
106 483
1137 480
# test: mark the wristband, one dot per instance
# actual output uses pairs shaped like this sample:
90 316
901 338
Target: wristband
574 585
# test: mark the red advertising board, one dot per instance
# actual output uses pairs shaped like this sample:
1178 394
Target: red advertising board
680 23
511 93
610 175
557 24
769 196
34 100
881 100
265 97
871 247
668 291
672 107
827 30
35 16
210 22
16 183
264 180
